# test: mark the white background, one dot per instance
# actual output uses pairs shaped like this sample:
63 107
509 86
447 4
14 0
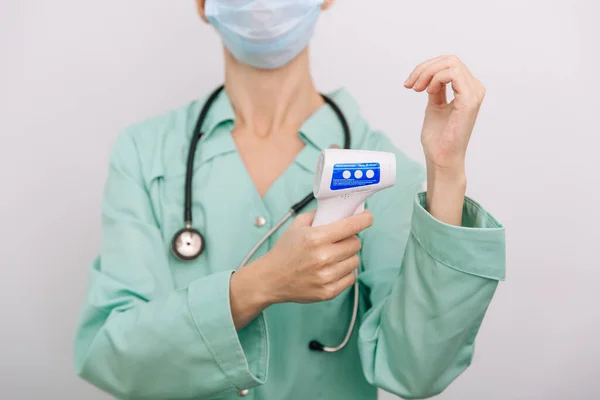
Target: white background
73 73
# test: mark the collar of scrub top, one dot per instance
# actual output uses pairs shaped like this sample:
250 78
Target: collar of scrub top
320 131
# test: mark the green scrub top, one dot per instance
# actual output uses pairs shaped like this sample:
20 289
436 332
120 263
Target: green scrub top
154 327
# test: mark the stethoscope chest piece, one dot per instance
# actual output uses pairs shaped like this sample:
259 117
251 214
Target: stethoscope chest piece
187 244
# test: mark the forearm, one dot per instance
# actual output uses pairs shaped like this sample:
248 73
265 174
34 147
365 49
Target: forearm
417 339
446 193
249 293
163 347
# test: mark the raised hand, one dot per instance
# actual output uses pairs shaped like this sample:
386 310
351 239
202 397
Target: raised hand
447 128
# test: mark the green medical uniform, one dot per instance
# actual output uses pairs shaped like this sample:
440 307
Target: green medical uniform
154 327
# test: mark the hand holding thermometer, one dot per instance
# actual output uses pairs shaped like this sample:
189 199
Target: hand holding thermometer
343 181
346 178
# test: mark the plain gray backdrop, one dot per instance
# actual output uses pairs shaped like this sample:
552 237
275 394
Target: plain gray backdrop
74 73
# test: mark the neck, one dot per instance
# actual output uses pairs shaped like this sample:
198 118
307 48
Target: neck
266 102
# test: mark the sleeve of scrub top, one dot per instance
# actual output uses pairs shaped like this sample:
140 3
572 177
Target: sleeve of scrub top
137 336
429 285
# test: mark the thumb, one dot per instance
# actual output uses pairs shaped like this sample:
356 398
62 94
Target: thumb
437 94
305 219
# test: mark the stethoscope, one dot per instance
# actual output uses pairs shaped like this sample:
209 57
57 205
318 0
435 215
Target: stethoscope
188 243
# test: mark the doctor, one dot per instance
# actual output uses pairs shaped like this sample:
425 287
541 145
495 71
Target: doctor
157 327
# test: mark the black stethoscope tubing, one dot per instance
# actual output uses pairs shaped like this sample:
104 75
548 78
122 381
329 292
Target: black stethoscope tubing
197 135
296 208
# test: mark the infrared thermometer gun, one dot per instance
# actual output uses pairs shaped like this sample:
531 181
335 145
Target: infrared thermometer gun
346 178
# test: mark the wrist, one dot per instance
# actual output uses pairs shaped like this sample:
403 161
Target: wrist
446 189
454 175
446 186
259 276
251 286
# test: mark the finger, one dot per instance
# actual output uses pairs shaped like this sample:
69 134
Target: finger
412 77
429 69
427 74
304 219
346 227
344 267
449 60
457 78
344 283
345 248
437 86
438 97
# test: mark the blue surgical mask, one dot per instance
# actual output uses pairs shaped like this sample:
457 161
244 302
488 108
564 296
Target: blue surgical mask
265 34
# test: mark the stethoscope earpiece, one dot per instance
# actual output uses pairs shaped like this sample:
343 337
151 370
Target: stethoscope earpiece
187 244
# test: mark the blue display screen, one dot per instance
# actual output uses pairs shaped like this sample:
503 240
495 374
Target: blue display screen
355 175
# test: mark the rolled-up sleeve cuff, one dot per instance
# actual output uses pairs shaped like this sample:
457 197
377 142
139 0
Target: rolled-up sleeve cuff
477 247
211 310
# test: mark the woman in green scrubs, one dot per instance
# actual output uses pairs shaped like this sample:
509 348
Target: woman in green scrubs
156 327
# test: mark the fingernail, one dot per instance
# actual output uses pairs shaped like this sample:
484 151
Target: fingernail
406 81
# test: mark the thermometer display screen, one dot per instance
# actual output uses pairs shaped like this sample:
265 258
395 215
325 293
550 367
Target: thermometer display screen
347 176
